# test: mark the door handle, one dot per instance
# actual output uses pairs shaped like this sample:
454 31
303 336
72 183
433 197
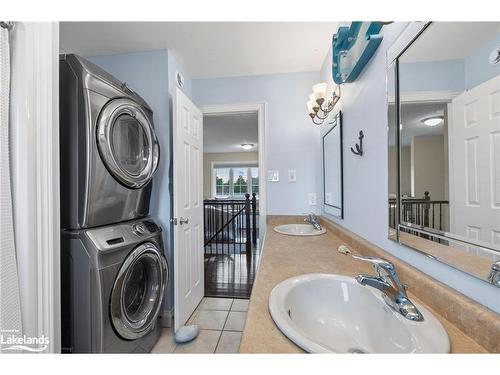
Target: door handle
183 220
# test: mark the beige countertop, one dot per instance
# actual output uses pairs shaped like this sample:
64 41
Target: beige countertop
287 256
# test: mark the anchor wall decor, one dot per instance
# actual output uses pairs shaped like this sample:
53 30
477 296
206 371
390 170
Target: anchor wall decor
359 146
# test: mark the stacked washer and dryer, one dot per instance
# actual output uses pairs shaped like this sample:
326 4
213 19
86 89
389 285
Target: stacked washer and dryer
113 269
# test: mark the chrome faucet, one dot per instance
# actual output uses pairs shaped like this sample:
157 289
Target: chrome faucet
313 220
388 282
494 276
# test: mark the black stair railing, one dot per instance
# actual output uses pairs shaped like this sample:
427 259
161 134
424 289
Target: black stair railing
230 226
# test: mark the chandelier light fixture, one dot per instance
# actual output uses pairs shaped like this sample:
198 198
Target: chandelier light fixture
319 106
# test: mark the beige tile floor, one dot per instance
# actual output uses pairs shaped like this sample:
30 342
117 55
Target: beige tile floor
221 321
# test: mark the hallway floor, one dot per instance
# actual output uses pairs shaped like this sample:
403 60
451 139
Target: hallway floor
231 276
221 322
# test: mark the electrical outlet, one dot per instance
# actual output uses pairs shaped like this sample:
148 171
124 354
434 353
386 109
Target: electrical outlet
312 199
292 175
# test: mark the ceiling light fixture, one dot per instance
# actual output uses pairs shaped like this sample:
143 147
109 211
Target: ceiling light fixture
318 106
433 121
247 146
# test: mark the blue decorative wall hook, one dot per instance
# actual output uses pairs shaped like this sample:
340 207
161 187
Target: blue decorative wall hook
352 49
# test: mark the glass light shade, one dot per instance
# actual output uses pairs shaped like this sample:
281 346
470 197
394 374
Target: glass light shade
433 121
246 146
310 106
319 90
312 99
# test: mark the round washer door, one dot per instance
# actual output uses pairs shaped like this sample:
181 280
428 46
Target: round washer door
138 292
127 143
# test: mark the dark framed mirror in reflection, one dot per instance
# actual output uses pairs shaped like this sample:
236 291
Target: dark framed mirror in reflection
443 97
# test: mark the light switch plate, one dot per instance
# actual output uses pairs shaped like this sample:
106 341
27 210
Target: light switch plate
273 176
312 199
292 175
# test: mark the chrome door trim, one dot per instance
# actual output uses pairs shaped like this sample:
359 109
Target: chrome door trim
105 122
132 330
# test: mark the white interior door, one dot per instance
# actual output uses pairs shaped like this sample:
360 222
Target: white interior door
474 142
188 207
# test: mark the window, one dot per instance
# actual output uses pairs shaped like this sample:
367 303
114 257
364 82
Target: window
254 174
240 181
236 181
222 181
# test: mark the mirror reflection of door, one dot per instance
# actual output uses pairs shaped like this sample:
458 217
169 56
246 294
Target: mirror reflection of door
449 142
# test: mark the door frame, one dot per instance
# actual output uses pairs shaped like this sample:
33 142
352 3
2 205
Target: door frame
260 108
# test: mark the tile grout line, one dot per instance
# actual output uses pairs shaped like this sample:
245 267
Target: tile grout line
219 330
218 341
222 330
225 321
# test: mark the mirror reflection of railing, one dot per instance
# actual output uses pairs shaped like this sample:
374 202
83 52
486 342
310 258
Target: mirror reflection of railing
422 212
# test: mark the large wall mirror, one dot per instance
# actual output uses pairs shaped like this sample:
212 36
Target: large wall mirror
332 166
444 145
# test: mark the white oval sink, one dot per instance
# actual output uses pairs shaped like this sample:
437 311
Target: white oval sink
334 314
299 230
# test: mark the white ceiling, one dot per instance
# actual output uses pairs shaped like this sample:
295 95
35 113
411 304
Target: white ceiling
450 40
226 132
412 116
210 49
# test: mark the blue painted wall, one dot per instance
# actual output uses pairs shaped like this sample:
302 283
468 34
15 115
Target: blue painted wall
292 141
446 75
477 67
451 75
366 179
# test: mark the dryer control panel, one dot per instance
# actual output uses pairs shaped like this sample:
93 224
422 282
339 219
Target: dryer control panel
115 236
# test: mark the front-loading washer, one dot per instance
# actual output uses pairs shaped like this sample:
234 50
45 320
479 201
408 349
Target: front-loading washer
108 147
113 279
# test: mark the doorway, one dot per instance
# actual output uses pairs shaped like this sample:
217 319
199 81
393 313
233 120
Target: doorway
234 198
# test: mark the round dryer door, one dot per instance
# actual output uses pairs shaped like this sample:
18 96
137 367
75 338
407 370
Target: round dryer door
138 292
127 143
